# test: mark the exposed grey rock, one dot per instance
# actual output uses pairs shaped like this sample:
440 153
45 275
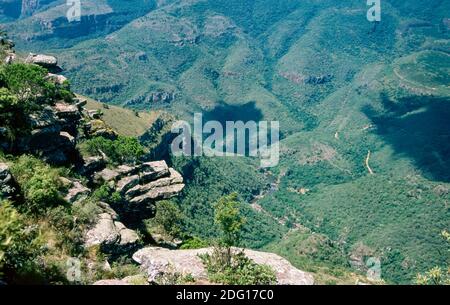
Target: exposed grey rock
106 175
56 78
92 164
106 208
125 170
104 233
80 103
154 170
127 236
111 283
46 61
174 178
7 183
76 192
64 110
127 183
110 234
43 119
154 260
158 193
10 58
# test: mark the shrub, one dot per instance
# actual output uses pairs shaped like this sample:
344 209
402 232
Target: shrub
240 270
28 83
39 183
86 212
123 149
227 216
168 218
107 193
194 243
19 242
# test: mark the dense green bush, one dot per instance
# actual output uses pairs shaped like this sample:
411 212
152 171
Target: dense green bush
27 83
168 220
229 219
194 243
123 149
19 242
107 193
40 184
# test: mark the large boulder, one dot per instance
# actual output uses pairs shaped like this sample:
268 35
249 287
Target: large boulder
57 79
110 234
46 61
155 260
92 164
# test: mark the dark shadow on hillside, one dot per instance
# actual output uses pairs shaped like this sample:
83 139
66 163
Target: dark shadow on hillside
224 112
418 128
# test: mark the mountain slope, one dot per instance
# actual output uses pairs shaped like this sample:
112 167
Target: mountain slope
340 86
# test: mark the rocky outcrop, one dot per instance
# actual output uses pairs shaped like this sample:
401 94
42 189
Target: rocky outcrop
110 234
8 186
155 260
53 133
91 165
141 185
7 47
98 128
307 79
46 61
57 79
76 191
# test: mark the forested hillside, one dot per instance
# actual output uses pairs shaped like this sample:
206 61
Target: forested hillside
363 108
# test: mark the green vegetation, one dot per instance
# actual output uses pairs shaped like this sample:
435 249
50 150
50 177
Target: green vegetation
239 271
223 264
168 220
227 217
123 120
436 276
19 244
121 150
248 60
23 89
39 183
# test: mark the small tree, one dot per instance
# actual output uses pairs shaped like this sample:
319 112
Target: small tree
169 219
230 221
27 83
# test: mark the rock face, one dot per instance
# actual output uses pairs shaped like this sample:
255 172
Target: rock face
154 259
98 128
141 185
77 191
7 184
46 61
57 79
110 234
53 133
